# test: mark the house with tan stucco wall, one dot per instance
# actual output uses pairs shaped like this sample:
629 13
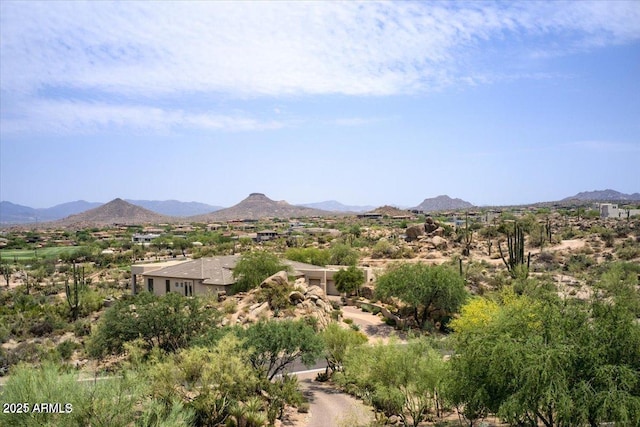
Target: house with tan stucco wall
213 275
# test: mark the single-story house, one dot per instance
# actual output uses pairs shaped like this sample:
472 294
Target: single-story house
215 274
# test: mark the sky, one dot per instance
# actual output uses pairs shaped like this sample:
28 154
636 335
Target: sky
366 103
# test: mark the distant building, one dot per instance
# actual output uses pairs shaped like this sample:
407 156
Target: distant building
611 210
144 239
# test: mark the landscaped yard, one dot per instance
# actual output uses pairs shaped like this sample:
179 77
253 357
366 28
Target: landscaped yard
27 254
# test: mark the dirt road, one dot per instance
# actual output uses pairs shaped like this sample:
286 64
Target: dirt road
330 407
372 326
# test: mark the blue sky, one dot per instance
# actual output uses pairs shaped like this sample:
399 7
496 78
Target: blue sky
361 102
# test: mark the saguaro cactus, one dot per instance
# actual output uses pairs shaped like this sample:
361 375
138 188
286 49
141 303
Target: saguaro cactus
516 262
73 295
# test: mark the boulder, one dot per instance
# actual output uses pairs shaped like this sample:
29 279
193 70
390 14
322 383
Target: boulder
430 225
296 297
438 232
301 285
281 278
367 291
439 243
315 290
414 232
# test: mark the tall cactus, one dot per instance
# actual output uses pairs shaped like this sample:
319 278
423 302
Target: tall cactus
515 244
73 295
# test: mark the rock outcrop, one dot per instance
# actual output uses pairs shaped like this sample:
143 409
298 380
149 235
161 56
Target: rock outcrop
300 301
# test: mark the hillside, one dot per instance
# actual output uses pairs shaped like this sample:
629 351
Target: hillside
116 211
335 206
11 213
389 211
605 196
442 203
175 207
257 206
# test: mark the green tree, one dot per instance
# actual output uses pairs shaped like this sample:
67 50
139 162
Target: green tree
399 379
99 403
349 280
275 345
313 256
537 359
432 292
342 254
253 268
337 341
169 322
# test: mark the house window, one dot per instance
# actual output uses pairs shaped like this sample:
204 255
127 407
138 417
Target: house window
150 285
167 286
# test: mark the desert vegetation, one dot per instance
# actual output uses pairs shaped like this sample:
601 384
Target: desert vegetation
526 317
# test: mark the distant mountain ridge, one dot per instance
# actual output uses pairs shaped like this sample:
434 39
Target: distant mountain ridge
258 206
116 211
175 207
335 206
607 195
11 213
442 203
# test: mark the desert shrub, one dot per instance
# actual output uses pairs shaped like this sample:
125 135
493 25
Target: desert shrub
253 268
169 322
81 327
579 262
65 349
103 403
276 296
628 250
313 256
43 327
607 237
342 254
229 306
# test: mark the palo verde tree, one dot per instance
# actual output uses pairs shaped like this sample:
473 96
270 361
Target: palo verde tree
337 341
398 379
432 292
538 359
253 268
349 280
275 345
169 322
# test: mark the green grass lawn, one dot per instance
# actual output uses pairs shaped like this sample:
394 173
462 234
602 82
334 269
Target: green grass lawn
28 254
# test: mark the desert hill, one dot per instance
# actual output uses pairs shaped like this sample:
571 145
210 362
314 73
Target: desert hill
175 207
389 211
442 203
604 196
11 213
116 211
257 206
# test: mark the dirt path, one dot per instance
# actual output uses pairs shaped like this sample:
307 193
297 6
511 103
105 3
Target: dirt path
330 407
372 326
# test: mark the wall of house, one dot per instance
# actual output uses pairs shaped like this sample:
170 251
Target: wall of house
202 289
175 285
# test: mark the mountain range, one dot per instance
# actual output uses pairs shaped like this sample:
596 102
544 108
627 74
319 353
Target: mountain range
605 196
116 211
257 205
335 206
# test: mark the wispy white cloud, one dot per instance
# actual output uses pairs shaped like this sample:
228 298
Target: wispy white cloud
66 60
74 117
275 48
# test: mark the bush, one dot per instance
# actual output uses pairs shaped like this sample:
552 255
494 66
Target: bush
169 322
